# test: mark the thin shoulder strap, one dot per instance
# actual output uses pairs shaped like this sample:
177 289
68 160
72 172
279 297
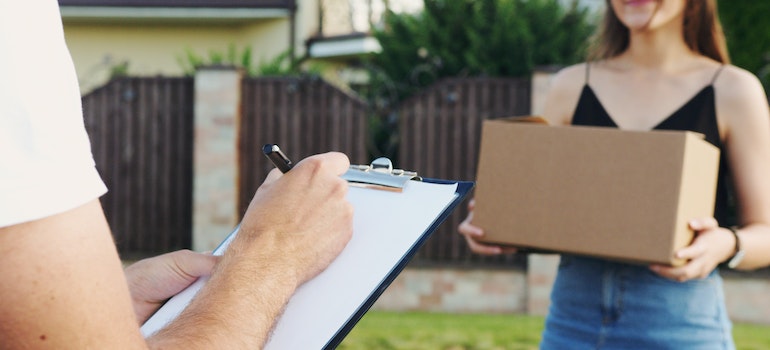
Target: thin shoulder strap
719 70
588 71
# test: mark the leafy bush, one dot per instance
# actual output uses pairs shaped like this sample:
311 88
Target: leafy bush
501 38
494 38
281 65
191 60
748 35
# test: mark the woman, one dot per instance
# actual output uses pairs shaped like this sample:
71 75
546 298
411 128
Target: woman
662 64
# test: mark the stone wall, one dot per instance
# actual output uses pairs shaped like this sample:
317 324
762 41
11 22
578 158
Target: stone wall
456 290
516 291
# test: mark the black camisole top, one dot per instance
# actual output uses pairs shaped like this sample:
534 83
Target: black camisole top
698 114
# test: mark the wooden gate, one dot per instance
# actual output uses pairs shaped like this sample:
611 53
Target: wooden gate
142 132
304 115
141 137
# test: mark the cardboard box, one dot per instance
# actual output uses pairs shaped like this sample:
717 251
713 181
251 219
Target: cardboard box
594 191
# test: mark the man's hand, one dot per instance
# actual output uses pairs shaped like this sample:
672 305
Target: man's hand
302 217
295 226
151 281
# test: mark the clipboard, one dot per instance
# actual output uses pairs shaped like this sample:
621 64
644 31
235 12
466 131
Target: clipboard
326 308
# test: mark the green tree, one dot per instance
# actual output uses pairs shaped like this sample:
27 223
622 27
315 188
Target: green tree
748 35
450 38
502 38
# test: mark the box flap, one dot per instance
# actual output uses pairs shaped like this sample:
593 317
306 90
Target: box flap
686 132
534 119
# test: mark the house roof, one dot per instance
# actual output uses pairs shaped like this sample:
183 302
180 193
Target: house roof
283 4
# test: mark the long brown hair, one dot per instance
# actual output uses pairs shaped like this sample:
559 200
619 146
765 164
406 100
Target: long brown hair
702 32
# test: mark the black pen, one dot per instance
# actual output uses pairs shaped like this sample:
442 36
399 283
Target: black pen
280 160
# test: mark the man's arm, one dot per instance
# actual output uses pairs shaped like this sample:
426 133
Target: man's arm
293 229
66 289
63 285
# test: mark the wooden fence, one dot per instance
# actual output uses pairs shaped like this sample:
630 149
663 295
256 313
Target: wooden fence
141 133
303 115
439 135
440 132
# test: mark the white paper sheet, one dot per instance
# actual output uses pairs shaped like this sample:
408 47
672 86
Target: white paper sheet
385 226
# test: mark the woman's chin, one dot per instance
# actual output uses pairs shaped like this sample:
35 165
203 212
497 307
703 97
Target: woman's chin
637 22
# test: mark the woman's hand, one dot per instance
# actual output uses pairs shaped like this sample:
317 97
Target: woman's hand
471 233
711 246
153 280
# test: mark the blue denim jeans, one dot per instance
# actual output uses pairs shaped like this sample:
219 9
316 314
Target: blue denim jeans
600 304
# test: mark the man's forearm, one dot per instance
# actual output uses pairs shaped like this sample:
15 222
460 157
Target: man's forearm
238 306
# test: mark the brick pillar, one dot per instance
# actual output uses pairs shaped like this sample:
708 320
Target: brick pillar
215 162
541 269
541 272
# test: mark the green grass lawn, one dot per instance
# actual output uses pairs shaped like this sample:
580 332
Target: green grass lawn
379 330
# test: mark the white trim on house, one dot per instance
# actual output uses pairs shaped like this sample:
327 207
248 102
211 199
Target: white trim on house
100 13
338 47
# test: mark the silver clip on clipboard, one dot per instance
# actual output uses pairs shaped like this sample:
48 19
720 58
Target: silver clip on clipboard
379 175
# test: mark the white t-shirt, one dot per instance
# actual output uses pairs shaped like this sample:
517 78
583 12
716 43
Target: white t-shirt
46 166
